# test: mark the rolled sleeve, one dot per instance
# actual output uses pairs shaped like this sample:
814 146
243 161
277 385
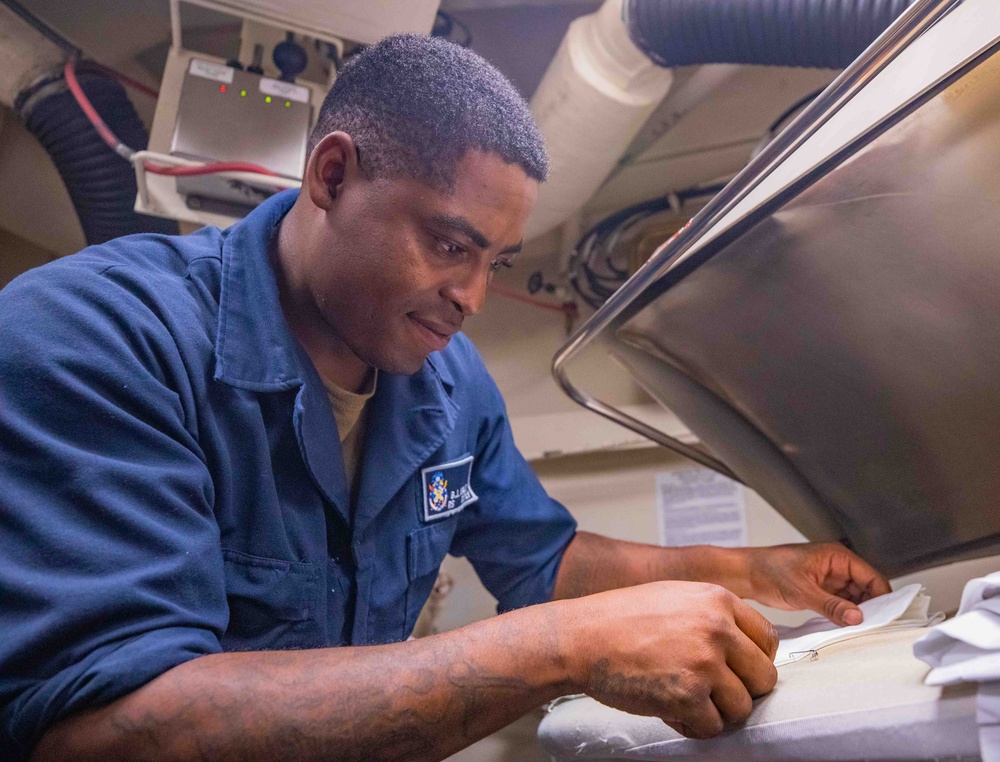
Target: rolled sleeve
110 567
515 534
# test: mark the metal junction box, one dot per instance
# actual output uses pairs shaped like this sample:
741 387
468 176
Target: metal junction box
230 115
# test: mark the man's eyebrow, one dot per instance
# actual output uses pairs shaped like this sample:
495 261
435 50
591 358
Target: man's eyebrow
463 226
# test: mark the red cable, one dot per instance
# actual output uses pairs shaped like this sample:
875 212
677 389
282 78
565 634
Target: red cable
120 148
209 169
125 79
88 109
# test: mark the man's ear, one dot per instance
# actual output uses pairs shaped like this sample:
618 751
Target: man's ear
332 163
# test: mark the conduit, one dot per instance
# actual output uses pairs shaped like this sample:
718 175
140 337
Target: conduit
826 34
609 73
101 185
595 96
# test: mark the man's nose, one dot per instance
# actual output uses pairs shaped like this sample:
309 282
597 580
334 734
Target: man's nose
468 290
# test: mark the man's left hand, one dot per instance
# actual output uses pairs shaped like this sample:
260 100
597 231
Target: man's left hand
824 577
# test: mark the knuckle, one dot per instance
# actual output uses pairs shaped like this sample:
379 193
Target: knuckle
707 660
832 607
770 639
738 707
719 595
765 683
692 691
716 622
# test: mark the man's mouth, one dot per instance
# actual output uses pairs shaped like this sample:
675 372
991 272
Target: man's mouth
436 335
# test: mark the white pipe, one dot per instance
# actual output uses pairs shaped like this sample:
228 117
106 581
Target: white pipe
176 40
25 56
684 99
594 98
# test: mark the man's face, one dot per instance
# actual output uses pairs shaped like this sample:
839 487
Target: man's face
400 265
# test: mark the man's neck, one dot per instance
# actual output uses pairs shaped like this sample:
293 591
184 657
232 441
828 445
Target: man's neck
333 359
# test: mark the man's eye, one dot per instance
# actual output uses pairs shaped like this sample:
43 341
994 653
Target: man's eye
496 264
448 247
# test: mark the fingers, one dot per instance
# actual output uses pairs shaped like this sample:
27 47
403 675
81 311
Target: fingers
752 667
731 698
756 627
861 583
699 719
847 581
840 611
873 583
727 704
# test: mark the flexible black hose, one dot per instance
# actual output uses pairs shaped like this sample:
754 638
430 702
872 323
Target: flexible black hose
810 33
101 183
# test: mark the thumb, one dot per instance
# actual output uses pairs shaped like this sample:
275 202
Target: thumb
840 611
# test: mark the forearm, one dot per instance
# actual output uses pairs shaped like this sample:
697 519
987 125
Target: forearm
593 564
420 700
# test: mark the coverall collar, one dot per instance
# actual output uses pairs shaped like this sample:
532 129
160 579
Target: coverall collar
254 348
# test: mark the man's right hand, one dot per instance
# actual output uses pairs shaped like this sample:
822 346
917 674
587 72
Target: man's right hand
690 653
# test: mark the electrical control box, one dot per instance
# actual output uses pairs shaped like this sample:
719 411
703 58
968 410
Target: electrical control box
225 114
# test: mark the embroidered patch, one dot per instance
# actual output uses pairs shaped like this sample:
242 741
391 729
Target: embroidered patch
447 488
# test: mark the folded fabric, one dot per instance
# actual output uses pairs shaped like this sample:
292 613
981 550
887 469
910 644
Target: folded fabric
967 647
903 609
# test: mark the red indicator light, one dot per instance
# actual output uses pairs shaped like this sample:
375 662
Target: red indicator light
222 88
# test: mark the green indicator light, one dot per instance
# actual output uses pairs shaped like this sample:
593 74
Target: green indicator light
243 93
267 99
288 104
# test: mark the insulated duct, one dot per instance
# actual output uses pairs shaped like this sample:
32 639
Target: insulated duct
100 183
595 96
826 34
603 83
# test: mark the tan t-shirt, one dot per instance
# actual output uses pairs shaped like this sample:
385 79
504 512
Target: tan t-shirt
349 412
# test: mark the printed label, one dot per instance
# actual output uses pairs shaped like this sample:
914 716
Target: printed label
285 90
208 70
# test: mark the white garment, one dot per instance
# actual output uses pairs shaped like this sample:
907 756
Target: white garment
967 649
904 609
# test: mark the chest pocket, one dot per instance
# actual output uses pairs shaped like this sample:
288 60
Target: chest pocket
426 548
272 604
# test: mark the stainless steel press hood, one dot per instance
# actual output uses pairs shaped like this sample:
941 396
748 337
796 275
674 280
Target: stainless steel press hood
829 326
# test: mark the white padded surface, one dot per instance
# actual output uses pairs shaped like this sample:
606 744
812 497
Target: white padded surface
860 700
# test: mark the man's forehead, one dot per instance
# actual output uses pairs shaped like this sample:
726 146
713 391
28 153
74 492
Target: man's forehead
486 204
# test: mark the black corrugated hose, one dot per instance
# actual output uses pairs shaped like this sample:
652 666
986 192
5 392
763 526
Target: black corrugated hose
810 33
101 183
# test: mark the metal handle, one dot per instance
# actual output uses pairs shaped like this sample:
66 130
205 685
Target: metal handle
910 25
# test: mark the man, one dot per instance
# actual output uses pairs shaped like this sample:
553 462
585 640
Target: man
234 461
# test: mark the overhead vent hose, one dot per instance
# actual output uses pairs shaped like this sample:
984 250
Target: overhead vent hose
101 183
810 33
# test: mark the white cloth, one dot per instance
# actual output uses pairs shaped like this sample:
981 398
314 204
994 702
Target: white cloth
967 649
861 699
904 609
